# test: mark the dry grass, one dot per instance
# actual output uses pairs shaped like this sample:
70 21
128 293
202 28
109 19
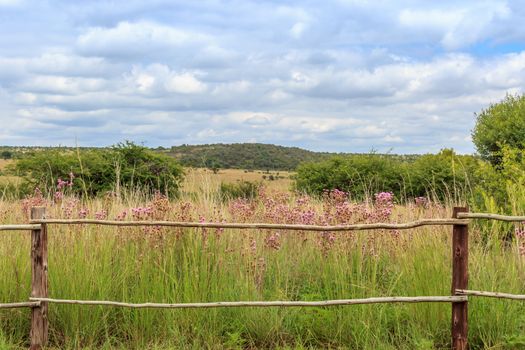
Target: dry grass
200 179
4 163
6 180
91 262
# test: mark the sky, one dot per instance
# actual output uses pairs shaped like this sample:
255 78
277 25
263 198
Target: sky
343 75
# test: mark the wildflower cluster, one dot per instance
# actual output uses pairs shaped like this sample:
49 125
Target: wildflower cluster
36 200
384 204
61 186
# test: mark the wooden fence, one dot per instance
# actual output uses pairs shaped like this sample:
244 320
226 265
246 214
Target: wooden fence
39 300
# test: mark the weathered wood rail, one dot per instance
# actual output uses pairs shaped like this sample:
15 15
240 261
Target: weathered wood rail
39 299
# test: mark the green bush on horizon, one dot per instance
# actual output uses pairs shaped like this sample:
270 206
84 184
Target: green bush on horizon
96 171
240 189
440 176
501 124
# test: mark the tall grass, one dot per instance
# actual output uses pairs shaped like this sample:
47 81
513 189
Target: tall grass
189 265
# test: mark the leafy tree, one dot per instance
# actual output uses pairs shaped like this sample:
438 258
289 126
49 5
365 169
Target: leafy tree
500 124
360 175
7 155
96 171
445 175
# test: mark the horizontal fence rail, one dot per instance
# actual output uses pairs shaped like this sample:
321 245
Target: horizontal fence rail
20 305
39 299
357 227
479 293
490 216
19 227
339 302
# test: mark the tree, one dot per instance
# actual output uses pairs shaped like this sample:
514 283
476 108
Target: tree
502 123
7 155
96 171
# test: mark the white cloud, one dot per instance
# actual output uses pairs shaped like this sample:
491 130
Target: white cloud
457 25
61 85
159 79
297 30
438 19
135 39
346 75
184 83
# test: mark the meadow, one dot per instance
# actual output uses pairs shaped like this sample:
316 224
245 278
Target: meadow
189 265
203 179
7 179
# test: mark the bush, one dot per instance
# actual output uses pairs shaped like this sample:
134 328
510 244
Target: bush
239 189
500 124
91 172
7 155
444 175
360 175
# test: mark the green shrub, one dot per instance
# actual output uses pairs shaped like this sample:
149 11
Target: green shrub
91 172
239 189
361 175
445 175
6 154
500 124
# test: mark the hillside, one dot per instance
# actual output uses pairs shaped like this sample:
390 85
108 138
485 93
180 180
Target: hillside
244 156
250 156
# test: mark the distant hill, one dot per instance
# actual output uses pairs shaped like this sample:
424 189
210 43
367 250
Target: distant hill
249 156
244 156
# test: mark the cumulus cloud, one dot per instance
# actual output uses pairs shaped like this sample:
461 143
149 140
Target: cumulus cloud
457 25
133 39
341 76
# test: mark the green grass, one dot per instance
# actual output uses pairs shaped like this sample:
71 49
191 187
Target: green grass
101 263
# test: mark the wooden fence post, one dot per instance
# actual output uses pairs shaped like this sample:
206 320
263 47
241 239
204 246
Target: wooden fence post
39 325
459 281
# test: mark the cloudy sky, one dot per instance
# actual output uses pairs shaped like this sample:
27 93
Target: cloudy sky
342 75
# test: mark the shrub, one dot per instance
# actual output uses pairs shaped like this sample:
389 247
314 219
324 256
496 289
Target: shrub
360 175
442 176
500 124
239 189
445 175
90 172
7 155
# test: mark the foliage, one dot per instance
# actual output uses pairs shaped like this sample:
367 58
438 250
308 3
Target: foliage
253 156
169 265
95 171
445 175
442 175
360 175
6 154
502 187
500 124
239 189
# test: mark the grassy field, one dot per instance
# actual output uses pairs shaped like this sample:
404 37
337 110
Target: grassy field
201 179
5 180
198 181
189 265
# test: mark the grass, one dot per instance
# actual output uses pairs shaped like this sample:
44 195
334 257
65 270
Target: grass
7 180
202 179
198 180
4 163
170 265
